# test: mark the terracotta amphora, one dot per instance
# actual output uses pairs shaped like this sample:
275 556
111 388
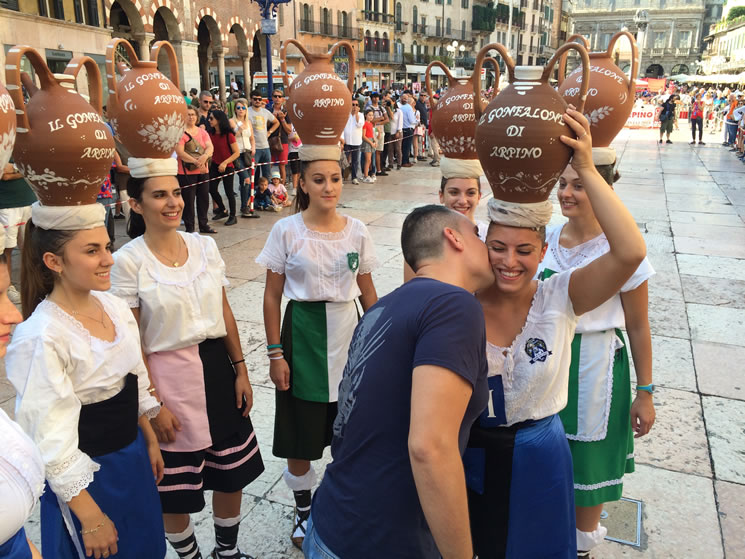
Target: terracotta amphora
319 101
517 134
610 97
146 109
63 147
7 126
453 119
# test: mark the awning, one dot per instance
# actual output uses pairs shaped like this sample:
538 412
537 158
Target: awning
420 69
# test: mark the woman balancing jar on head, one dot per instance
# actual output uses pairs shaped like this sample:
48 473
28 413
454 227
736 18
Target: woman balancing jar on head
77 366
21 465
519 467
322 261
193 172
175 285
596 418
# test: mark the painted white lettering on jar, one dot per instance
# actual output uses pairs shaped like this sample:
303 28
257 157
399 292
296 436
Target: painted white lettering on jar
82 118
327 87
98 153
468 117
55 125
147 77
508 153
461 97
100 134
521 111
167 99
320 76
513 131
6 103
324 103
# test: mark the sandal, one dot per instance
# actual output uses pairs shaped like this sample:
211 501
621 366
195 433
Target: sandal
300 524
239 555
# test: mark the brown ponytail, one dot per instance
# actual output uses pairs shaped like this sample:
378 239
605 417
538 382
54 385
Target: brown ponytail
609 174
37 281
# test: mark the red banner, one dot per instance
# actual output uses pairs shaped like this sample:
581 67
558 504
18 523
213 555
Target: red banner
644 116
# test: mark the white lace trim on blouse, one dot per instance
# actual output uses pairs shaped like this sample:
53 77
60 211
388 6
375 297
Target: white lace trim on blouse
70 476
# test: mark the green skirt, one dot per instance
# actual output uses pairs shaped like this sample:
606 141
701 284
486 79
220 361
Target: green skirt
304 416
599 465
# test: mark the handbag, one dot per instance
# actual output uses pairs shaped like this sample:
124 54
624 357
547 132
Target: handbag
192 148
275 145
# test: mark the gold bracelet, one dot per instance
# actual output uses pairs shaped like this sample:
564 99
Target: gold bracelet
97 528
151 390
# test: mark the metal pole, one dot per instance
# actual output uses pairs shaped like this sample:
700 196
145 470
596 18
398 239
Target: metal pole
509 31
270 83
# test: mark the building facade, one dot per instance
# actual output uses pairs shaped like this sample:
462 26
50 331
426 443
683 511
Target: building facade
725 48
215 42
673 38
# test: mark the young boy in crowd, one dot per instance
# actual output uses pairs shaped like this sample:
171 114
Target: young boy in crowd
368 147
278 190
263 198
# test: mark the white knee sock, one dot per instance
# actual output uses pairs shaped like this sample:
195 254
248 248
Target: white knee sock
587 540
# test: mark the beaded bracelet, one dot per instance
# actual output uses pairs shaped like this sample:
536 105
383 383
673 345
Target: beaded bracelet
274 346
97 528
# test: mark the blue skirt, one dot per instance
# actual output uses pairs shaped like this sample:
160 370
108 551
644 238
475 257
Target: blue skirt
521 492
125 490
16 547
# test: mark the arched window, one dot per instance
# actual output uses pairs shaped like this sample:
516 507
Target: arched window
413 45
384 46
385 9
463 30
448 27
376 42
307 22
399 17
414 18
344 24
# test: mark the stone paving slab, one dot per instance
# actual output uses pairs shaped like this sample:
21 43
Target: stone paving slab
719 369
706 218
724 423
720 325
711 266
707 247
714 291
731 500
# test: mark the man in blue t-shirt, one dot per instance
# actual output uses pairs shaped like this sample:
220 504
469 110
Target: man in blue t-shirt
414 383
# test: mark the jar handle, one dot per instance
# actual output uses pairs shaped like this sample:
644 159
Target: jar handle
497 71
478 107
95 92
563 61
352 61
14 81
111 49
172 60
583 87
283 58
634 57
427 81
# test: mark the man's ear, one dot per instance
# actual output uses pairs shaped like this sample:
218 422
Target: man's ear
454 238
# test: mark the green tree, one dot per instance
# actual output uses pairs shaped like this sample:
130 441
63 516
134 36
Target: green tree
736 12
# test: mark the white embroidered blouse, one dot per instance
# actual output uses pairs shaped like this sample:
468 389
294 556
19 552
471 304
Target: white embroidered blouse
535 368
56 367
319 266
179 307
558 259
21 477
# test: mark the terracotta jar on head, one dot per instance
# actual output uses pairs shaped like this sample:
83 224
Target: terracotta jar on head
319 101
610 95
517 134
63 147
147 110
7 126
453 117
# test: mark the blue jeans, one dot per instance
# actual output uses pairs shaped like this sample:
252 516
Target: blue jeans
263 155
731 132
313 546
244 173
354 154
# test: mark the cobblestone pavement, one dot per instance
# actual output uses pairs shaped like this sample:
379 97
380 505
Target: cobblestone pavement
690 203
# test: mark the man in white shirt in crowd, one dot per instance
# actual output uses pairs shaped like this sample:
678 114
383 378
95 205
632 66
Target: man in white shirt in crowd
353 139
409 123
380 117
260 117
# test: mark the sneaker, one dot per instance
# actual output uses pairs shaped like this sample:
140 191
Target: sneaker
660 140
245 212
355 181
14 295
277 208
382 174
701 143
668 142
220 215
435 164
725 144
420 158
693 143
231 220
398 167
238 555
368 179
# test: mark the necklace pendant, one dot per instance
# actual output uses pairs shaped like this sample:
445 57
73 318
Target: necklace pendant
175 264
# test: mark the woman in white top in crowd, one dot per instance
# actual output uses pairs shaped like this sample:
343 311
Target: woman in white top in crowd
519 467
21 465
596 418
175 285
397 126
77 367
244 135
321 261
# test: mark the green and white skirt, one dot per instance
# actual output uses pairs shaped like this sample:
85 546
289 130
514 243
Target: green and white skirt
315 337
596 418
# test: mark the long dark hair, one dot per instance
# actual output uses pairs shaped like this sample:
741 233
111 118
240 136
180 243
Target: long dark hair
136 223
302 200
37 281
223 123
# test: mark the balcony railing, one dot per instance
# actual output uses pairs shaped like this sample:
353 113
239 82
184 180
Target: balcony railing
378 17
401 26
683 51
523 3
467 62
419 29
426 59
381 57
328 29
658 51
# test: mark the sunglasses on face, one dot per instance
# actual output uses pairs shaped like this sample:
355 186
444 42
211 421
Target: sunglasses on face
255 98
277 96
239 108
207 102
